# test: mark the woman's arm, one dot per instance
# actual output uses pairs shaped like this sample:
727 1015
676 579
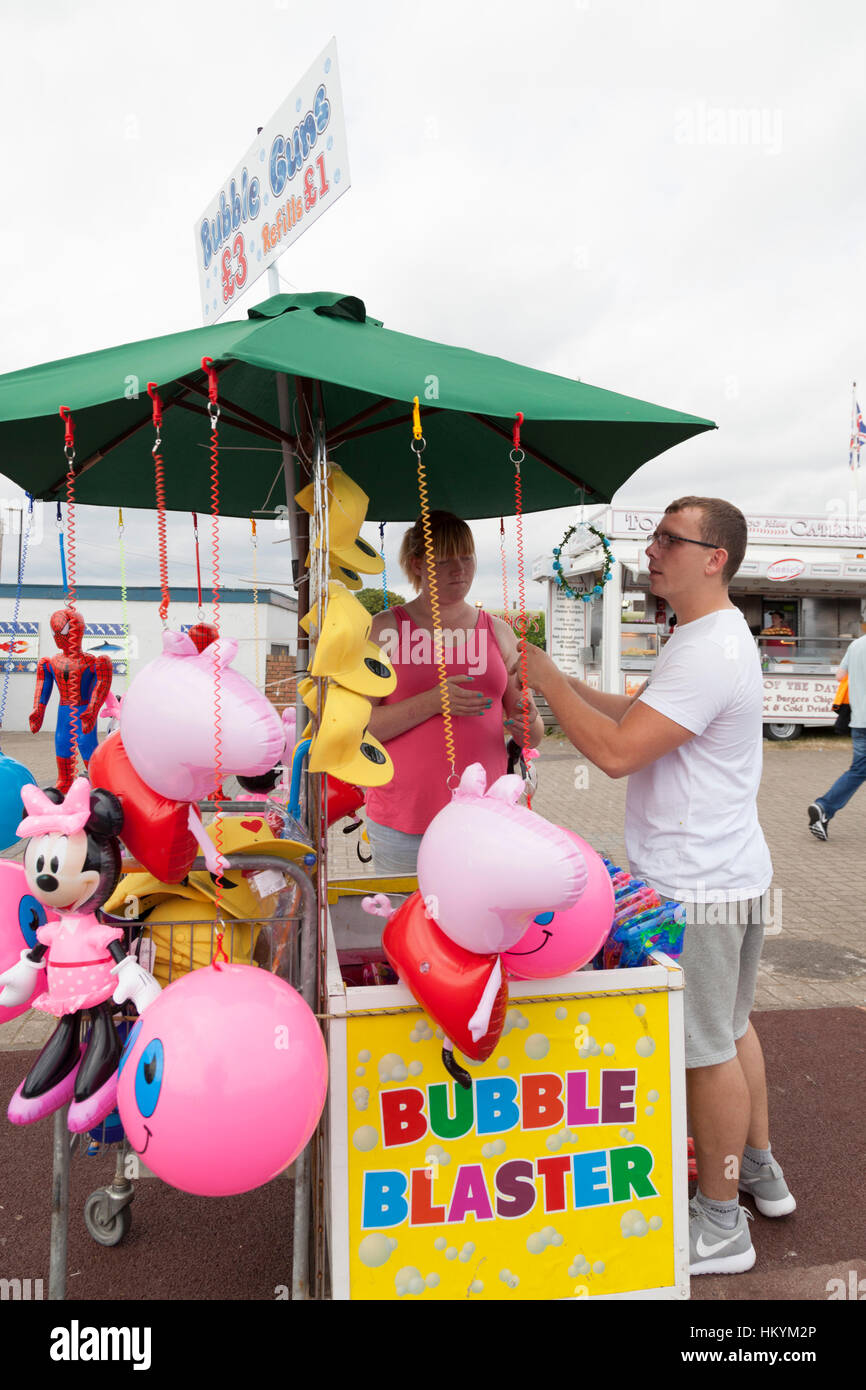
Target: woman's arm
389 721
398 716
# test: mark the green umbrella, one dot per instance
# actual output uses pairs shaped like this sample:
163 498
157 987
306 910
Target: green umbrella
581 443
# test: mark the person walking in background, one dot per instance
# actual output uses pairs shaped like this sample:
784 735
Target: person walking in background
824 808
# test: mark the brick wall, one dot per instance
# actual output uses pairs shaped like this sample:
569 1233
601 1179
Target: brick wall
280 683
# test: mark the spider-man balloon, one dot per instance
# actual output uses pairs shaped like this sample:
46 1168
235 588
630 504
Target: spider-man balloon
82 682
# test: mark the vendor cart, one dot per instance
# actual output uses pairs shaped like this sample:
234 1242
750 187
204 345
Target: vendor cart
305 376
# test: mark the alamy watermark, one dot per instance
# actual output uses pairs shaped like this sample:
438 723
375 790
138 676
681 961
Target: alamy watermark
712 908
21 1290
16 519
729 126
414 646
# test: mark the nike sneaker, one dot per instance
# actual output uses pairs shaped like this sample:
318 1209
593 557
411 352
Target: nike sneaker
714 1249
765 1182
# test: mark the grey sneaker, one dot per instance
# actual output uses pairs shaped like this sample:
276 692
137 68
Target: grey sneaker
765 1182
818 821
714 1249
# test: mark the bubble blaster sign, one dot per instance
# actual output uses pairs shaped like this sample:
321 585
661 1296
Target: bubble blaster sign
296 169
551 1178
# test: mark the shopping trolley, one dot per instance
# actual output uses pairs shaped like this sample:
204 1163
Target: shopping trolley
274 943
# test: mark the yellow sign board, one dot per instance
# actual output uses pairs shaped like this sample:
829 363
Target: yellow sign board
550 1178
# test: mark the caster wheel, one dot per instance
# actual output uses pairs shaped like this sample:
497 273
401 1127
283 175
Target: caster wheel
112 1231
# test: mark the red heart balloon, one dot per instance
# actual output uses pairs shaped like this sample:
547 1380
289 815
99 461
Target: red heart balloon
447 980
155 829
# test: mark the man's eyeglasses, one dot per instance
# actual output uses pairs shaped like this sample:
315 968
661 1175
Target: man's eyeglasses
665 539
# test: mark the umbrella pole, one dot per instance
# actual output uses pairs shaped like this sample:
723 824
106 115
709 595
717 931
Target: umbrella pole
318 1149
308 1213
299 539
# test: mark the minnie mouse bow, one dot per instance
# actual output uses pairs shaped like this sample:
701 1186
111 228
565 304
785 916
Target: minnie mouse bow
46 817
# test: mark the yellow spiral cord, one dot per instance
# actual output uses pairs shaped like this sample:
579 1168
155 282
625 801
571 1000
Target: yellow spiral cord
418 444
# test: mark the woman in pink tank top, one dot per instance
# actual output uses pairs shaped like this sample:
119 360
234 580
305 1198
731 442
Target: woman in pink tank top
481 665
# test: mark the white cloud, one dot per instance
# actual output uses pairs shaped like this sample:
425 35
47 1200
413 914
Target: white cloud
573 186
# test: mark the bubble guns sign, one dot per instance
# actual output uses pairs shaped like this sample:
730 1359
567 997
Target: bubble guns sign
295 170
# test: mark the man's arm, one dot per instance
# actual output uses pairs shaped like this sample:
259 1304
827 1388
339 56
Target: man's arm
618 747
614 706
513 698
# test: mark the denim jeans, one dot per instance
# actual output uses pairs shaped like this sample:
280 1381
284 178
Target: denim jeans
844 788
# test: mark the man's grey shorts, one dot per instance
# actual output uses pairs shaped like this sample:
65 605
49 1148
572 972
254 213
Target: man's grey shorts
721 951
394 852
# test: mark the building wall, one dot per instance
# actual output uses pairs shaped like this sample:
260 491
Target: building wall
272 623
280 682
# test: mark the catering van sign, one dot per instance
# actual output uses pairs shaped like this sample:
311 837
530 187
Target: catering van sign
785 569
780 530
295 170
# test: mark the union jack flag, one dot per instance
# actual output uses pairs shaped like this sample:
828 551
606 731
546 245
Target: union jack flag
858 438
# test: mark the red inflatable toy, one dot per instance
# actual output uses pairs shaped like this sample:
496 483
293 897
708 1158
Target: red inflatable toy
344 799
155 828
447 980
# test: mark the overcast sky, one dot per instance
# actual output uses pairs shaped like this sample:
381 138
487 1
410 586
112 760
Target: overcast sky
660 197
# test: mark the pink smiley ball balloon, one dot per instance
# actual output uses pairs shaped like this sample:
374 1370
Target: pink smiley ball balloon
222 1080
559 942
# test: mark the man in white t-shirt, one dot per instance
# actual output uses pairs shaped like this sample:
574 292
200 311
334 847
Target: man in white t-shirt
690 743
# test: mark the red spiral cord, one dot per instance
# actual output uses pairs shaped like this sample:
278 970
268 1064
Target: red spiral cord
213 411
521 587
75 675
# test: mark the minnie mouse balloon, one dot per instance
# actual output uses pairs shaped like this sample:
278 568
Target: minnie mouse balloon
558 942
223 1080
487 866
167 720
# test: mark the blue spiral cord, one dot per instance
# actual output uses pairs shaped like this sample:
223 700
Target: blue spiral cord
24 544
62 547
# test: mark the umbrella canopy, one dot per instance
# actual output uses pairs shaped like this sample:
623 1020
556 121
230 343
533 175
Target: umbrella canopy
581 442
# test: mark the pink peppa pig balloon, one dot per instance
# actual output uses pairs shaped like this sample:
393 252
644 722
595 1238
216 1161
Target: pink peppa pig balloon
487 866
558 942
167 720
222 1080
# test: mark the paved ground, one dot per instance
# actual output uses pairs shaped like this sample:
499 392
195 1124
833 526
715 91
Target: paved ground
819 958
812 992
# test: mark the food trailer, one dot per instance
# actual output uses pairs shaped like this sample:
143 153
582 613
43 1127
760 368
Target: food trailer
801 589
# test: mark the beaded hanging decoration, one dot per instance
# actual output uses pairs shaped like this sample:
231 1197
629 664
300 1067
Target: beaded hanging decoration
563 583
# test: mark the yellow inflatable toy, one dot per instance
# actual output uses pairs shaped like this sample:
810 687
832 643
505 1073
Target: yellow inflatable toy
180 918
